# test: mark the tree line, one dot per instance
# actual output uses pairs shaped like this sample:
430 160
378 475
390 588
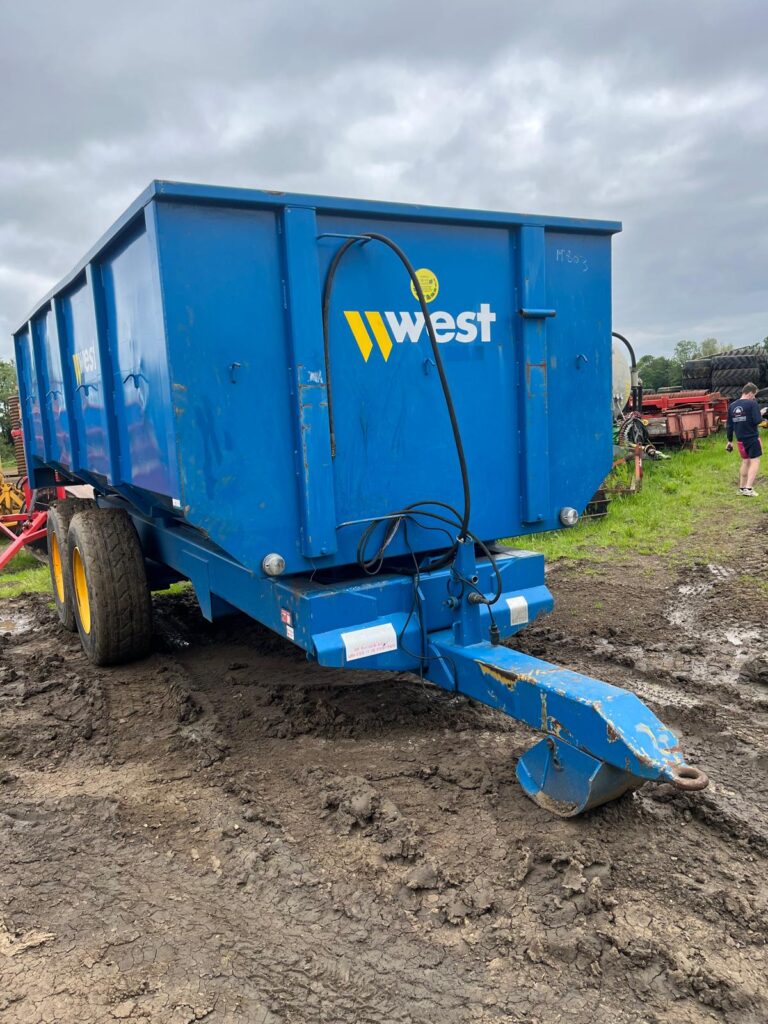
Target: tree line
667 371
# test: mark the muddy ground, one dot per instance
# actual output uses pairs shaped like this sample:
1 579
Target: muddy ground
227 833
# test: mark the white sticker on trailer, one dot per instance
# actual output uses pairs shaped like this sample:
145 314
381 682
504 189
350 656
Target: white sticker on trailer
518 611
365 643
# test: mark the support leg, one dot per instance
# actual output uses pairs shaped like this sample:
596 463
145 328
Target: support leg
601 740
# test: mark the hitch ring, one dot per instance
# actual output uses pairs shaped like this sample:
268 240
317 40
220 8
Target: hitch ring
688 778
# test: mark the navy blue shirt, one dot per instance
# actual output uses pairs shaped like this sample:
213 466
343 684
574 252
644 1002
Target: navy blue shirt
744 418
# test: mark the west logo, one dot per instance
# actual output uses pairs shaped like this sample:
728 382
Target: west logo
84 361
405 326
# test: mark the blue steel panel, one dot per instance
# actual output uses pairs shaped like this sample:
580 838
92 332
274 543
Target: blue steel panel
33 428
578 274
140 379
393 436
81 353
55 406
68 384
41 384
210 335
95 283
230 378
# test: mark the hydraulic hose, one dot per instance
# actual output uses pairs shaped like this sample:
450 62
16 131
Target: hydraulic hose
385 240
637 393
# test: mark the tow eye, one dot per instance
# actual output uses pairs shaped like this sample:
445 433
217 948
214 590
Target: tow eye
687 777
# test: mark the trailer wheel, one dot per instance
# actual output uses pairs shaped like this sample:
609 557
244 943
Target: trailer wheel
112 603
59 517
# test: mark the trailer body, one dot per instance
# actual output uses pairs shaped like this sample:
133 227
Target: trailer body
182 364
182 369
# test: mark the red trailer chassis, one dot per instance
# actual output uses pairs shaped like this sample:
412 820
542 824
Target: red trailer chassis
679 417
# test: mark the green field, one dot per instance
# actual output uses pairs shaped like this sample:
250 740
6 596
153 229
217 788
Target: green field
691 490
678 494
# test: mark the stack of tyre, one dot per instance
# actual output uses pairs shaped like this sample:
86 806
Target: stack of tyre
728 372
731 371
697 375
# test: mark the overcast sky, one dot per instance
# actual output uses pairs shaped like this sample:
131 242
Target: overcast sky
652 113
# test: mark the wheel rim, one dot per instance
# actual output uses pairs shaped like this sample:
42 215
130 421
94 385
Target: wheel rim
58 572
81 591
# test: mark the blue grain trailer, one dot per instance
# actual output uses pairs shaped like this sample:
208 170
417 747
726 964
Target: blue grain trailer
323 412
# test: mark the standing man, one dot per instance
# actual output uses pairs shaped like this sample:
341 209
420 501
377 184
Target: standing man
744 418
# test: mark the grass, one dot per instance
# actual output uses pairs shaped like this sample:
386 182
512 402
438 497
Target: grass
679 495
24 575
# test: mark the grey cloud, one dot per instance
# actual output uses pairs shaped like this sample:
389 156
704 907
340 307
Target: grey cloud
651 113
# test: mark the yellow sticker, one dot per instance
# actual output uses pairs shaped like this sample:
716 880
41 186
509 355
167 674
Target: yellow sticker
429 284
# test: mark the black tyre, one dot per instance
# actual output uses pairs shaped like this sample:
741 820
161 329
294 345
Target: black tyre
695 383
59 517
737 376
736 361
112 603
697 367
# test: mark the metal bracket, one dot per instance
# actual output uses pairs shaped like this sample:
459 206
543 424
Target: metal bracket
537 314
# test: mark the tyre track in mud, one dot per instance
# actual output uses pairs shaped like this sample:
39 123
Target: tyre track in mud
227 833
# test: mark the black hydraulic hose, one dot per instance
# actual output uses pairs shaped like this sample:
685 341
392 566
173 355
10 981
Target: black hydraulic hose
637 389
326 348
435 352
633 364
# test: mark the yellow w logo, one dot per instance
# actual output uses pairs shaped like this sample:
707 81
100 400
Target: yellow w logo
363 338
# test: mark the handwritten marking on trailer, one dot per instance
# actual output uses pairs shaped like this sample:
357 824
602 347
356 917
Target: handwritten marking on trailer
569 256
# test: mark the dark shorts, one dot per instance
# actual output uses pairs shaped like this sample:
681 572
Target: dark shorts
751 449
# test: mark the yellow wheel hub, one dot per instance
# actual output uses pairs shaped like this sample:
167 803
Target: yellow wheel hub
58 572
81 591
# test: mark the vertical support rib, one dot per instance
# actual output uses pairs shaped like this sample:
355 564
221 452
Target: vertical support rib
40 382
96 289
304 306
67 380
24 372
534 441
